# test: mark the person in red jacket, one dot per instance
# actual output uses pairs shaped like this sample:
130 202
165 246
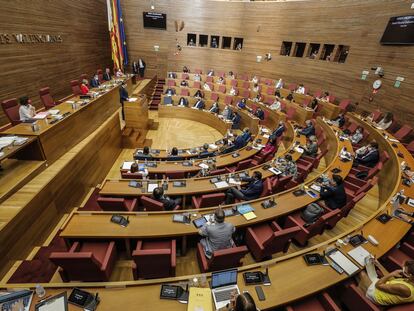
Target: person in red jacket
84 87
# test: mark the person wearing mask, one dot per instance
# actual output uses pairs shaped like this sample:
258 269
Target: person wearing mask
357 136
141 67
185 69
277 105
233 91
199 104
95 81
220 80
170 91
236 120
210 73
290 96
280 84
367 155
214 108
339 121
184 83
259 113
198 94
278 131
385 122
251 191
227 113
26 110
311 148
206 87
287 166
308 130
313 104
240 302
197 77
183 102
217 235
123 96
144 155
84 87
241 104
107 75
300 89
394 288
333 193
168 203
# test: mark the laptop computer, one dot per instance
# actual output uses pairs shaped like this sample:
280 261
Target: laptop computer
223 283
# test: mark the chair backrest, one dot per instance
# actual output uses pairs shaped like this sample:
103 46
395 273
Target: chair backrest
11 110
245 93
46 98
127 175
280 240
384 157
227 258
246 84
306 102
100 75
214 96
83 76
242 165
331 98
344 104
184 76
267 188
74 84
213 199
268 82
221 73
184 92
233 82
152 263
317 93
243 76
151 204
222 89
352 127
410 146
331 218
199 71
292 86
218 171
403 132
270 91
175 174
376 115
112 204
228 100
171 83
280 183
290 114
209 79
196 84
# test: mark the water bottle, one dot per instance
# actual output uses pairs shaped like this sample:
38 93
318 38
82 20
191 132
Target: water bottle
40 291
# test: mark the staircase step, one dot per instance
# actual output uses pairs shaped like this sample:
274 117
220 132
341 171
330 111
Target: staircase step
127 131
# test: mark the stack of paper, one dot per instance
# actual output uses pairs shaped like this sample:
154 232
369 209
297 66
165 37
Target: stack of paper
221 184
359 254
127 165
234 181
200 299
203 165
20 140
41 115
151 187
346 264
132 99
54 111
299 149
213 146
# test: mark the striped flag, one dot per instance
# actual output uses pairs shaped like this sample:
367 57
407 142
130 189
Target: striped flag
117 34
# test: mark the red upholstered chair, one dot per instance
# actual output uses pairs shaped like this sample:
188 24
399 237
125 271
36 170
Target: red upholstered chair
196 84
292 86
245 93
153 205
376 115
46 98
403 132
221 74
228 100
246 84
118 204
214 96
262 157
317 93
351 202
11 110
209 79
86 261
83 76
344 105
290 114
354 299
199 71
268 82
352 127
267 188
184 92
244 77
222 88
208 200
306 102
184 76
279 183
219 171
171 83
410 147
233 82
221 259
154 259
269 100
331 98
270 91
396 257
175 174
319 302
266 239
100 75
74 84
242 165
127 175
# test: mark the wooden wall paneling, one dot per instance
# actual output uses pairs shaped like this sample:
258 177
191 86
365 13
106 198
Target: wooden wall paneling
27 67
358 24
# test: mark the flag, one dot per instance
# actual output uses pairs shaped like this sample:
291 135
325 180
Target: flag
117 34
122 36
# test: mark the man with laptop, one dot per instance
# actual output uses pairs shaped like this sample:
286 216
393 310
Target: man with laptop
217 235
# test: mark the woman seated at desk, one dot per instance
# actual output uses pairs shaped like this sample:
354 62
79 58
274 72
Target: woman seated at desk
220 80
241 104
255 80
185 69
287 166
385 122
199 94
270 147
313 104
26 110
230 75
183 102
277 105
256 88
184 83
357 136
311 148
84 87
215 108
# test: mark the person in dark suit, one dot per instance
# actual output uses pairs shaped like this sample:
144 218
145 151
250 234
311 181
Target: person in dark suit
278 131
169 204
94 81
198 94
123 96
144 155
170 91
339 121
313 104
236 120
290 96
246 135
308 130
141 67
173 156
334 194
370 157
135 69
183 102
227 112
199 104
259 113
215 108
311 148
239 142
251 191
205 153
107 75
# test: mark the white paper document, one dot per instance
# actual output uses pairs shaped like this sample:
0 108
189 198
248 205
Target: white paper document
346 264
221 184
151 187
132 99
359 254
274 171
127 165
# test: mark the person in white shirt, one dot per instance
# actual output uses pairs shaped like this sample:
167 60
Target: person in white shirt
255 80
231 75
197 77
256 88
210 73
300 89
233 91
26 110
220 80
385 122
206 87
357 136
279 84
257 99
276 105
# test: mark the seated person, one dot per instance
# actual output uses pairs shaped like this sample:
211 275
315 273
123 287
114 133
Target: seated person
279 130
325 96
169 204
300 89
233 91
206 87
172 75
247 135
107 75
287 166
210 73
394 288
119 73
205 152
239 142
184 83
183 102
280 84
185 69
270 147
145 154
311 148
251 191
277 93
385 122
95 81
217 235
256 88
258 99
170 91
236 120
357 136
168 100
226 147
26 110
339 121
367 155
214 43
308 130
255 80
227 112
199 94
199 104
259 113
197 77
231 75
173 156
241 302
313 104
134 168
290 96
191 43
241 104
220 80
84 87
215 108
277 105
333 193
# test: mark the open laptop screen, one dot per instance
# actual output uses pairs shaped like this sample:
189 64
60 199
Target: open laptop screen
224 278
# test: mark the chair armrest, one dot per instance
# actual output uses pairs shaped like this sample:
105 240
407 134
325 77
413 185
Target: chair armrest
109 256
173 253
254 237
177 208
75 247
139 245
408 249
275 226
294 223
195 202
134 204
328 303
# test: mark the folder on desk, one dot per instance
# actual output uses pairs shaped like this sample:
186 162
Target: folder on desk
221 184
200 299
250 215
344 262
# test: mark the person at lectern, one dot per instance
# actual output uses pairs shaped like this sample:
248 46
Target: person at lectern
123 96
141 67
